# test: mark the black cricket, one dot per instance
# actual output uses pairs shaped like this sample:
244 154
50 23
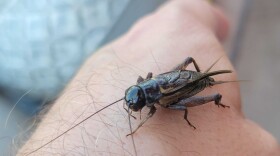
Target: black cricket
173 90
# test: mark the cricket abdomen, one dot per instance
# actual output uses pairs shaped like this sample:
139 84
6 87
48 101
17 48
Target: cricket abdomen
185 92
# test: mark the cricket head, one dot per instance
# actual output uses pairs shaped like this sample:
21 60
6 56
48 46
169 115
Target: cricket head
135 98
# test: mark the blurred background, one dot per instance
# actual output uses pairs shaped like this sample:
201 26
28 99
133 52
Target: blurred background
44 42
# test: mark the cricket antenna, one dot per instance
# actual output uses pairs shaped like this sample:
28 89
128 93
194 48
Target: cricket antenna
130 127
73 127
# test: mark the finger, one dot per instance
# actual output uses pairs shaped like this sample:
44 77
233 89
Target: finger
222 28
202 11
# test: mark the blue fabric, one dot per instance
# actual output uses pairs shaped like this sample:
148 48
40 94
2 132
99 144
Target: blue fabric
43 42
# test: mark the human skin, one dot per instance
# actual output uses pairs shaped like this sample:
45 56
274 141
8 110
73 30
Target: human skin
158 42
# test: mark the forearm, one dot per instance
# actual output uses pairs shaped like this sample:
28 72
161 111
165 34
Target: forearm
150 48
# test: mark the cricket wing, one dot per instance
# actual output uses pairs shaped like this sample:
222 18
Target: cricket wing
172 81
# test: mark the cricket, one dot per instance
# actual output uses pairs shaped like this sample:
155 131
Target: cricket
175 90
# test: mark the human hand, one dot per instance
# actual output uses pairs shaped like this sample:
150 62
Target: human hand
158 42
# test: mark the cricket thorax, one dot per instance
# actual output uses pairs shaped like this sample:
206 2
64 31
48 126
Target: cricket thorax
151 90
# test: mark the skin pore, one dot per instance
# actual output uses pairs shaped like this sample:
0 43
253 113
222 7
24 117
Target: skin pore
156 43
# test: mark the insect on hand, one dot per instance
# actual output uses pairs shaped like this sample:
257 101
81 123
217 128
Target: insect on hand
173 90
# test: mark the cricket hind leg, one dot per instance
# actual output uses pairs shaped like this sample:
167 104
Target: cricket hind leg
186 62
150 114
196 101
182 107
186 118
200 100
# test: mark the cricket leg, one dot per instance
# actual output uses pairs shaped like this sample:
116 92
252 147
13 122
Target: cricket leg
150 114
200 100
149 76
196 101
186 118
141 79
182 107
184 65
127 111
